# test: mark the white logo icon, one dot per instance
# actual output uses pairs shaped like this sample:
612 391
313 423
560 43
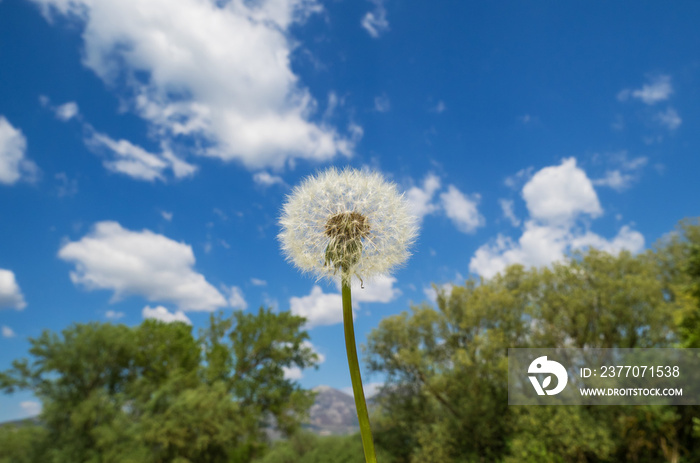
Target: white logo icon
542 365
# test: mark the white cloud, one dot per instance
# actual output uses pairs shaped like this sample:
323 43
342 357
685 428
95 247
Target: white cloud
265 179
126 158
114 315
508 213
7 332
626 239
30 407
462 210
10 294
218 73
375 22
615 179
140 263
382 103
669 119
258 282
557 194
431 293
659 89
556 197
420 200
294 372
67 111
318 308
167 215
370 389
621 178
377 289
13 145
162 314
236 298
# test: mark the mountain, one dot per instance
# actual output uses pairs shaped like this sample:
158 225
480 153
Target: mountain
333 412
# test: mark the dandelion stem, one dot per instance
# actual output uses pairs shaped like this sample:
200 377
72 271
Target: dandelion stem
350 347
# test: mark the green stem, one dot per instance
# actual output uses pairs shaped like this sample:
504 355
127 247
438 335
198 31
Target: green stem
360 404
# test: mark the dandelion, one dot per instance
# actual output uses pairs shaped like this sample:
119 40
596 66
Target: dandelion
348 223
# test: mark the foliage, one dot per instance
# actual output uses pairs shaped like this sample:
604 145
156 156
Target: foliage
155 393
446 395
309 448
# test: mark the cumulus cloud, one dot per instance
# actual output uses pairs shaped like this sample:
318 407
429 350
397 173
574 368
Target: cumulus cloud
318 308
124 157
10 294
375 22
462 209
556 197
7 332
378 289
140 263
265 179
216 74
557 194
258 282
236 298
420 200
669 119
658 89
13 164
162 314
321 308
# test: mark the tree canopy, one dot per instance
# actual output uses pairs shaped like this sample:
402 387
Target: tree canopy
157 393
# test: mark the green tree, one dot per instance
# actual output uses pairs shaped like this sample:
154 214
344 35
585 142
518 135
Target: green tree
156 393
447 400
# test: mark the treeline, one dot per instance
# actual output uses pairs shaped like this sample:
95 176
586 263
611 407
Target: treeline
155 393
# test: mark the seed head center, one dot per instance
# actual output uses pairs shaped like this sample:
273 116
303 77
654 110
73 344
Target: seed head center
347 226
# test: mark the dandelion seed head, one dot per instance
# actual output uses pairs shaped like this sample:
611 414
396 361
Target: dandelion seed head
346 222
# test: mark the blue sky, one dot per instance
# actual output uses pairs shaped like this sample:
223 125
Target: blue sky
146 148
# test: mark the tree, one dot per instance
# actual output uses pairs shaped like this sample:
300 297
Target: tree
156 393
446 397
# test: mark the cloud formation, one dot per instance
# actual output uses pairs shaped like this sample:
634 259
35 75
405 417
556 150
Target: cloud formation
658 89
125 158
558 194
162 314
140 263
420 200
557 197
217 74
321 308
10 294
462 210
13 146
